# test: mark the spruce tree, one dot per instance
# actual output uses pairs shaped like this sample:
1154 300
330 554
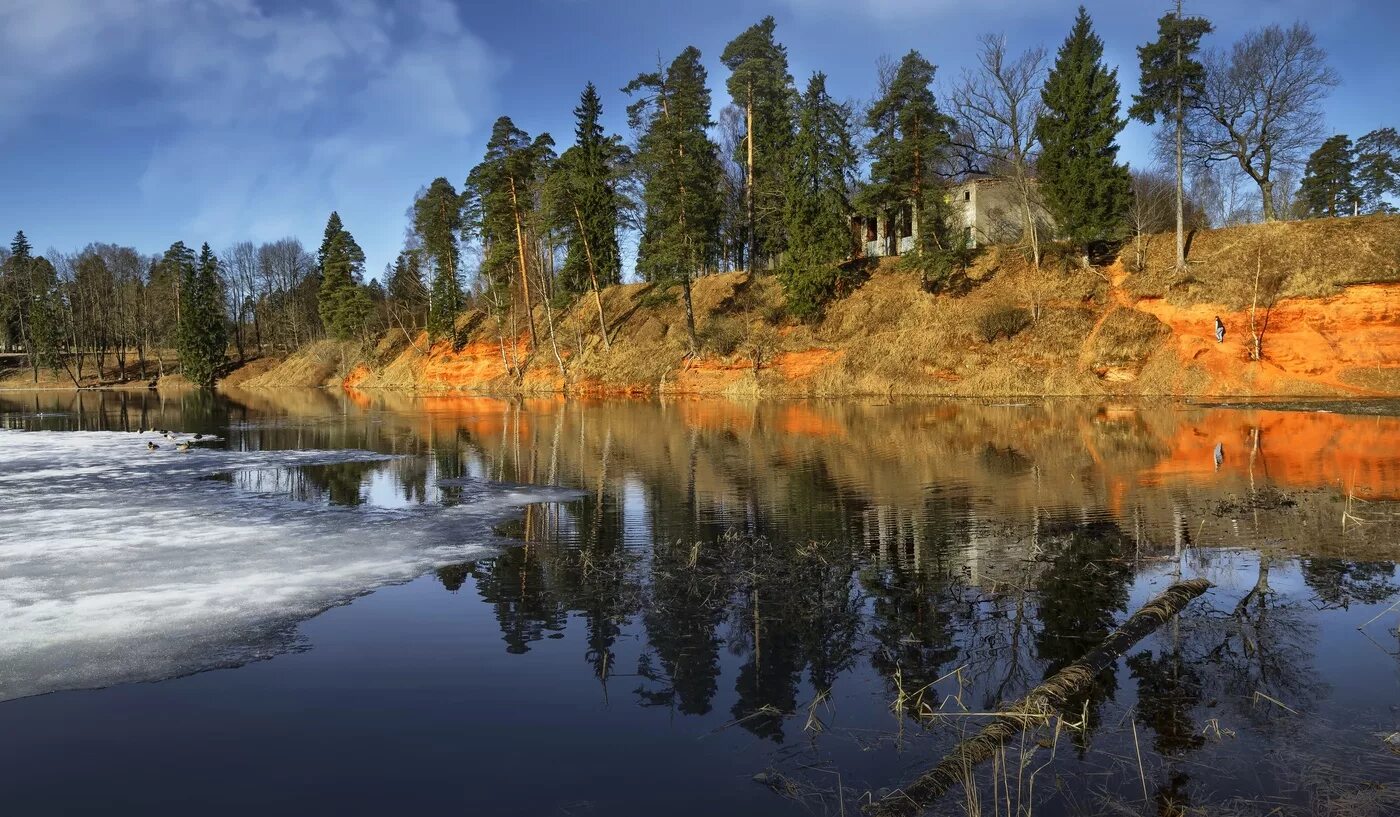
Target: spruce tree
406 291
1172 82
1328 187
680 171
909 142
1378 170
500 199
1084 187
817 212
334 228
17 286
589 206
202 338
341 301
760 85
46 316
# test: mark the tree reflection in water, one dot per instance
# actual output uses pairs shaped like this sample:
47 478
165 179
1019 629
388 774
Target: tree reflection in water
735 563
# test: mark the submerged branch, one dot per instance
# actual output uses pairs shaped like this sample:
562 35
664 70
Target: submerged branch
1040 703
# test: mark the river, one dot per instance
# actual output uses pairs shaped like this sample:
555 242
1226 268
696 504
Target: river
388 604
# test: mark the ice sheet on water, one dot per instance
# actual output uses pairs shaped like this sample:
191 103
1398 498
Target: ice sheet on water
120 564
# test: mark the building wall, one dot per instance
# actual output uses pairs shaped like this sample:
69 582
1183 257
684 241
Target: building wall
987 210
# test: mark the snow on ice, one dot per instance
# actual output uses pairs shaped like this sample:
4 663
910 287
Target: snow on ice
119 564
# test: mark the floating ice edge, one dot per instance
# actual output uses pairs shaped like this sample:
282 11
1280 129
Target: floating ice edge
119 564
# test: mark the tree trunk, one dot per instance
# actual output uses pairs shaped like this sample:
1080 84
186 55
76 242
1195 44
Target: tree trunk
593 276
1266 190
748 183
1180 128
689 315
520 253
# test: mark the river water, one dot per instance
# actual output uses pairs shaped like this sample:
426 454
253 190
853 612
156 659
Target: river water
362 604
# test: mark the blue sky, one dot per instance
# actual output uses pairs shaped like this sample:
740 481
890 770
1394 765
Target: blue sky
146 121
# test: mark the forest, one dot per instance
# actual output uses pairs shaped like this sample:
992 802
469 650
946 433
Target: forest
767 183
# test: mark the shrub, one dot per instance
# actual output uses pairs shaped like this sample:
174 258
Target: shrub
722 336
807 288
1003 322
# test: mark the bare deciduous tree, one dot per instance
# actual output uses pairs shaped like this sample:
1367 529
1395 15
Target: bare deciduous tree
997 106
241 271
1261 108
1154 194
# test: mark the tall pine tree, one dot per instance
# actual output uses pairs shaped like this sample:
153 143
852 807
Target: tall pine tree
202 338
908 145
438 220
1084 187
680 170
500 198
1329 180
817 211
760 85
1173 81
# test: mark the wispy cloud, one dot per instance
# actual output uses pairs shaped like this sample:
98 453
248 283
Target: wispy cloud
264 115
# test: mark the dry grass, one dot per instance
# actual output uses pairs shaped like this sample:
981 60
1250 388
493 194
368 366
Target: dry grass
318 364
1316 258
1127 338
891 337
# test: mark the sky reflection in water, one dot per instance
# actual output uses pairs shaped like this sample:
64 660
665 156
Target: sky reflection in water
817 591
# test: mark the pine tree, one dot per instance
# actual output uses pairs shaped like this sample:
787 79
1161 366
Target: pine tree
500 195
437 219
1084 187
1172 81
202 338
680 170
341 301
760 85
1378 170
1329 180
909 143
817 213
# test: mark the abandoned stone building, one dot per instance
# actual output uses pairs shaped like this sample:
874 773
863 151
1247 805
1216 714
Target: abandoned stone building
986 210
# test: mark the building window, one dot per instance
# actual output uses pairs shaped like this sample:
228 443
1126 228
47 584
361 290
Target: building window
967 195
967 236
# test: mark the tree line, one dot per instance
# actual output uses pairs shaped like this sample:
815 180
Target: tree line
769 186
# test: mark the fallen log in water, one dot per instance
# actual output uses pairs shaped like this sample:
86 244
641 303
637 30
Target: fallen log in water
1038 705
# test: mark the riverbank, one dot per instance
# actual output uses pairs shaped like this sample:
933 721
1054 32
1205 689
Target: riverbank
1327 311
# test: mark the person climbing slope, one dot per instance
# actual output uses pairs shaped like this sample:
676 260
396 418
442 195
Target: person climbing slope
1219 330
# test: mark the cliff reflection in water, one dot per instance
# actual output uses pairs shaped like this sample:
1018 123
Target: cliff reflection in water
797 570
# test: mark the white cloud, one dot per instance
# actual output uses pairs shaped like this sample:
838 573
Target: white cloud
270 114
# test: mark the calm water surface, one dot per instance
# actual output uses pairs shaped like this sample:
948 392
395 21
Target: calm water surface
822 595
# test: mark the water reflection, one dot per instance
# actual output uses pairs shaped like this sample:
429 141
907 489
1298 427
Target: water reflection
849 581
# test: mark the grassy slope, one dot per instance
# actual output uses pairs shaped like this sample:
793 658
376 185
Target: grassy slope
1099 331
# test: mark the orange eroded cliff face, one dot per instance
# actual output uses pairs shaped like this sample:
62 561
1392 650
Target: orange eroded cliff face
1333 331
1322 341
